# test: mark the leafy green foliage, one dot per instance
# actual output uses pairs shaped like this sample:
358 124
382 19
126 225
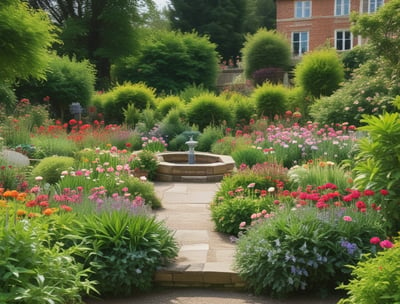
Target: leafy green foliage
248 156
27 35
209 136
143 189
208 109
378 163
67 81
116 100
126 250
382 30
168 103
172 125
354 58
265 49
370 91
320 72
306 249
35 270
170 61
375 279
50 168
270 99
221 21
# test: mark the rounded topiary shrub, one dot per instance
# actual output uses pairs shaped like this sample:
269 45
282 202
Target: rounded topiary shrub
270 99
208 109
50 168
265 49
209 136
320 72
168 103
115 101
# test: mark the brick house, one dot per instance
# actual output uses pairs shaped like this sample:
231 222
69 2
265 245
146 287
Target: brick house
312 23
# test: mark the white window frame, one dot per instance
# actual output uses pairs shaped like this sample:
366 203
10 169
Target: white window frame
305 9
301 41
373 5
343 40
342 7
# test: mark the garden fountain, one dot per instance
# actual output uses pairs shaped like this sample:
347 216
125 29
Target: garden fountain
193 166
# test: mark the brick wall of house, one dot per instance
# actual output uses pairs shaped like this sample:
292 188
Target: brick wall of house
321 26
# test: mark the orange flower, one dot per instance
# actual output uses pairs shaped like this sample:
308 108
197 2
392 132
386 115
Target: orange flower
33 214
3 203
48 211
21 212
21 196
66 208
11 193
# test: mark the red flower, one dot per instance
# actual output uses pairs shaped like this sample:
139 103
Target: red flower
66 208
368 192
361 205
384 192
72 122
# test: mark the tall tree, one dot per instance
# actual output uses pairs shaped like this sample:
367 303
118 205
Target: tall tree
99 30
260 14
222 21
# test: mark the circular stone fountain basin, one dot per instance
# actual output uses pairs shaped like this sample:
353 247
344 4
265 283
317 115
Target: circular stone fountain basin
174 167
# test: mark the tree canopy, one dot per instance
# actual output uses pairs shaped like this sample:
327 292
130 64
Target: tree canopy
222 21
26 36
102 31
382 30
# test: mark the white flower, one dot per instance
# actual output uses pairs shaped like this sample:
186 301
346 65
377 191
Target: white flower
38 178
271 189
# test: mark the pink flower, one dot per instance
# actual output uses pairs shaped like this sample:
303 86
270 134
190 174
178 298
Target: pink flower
252 185
347 218
125 189
375 240
368 192
386 244
242 224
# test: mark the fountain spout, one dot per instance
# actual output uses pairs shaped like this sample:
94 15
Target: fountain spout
191 144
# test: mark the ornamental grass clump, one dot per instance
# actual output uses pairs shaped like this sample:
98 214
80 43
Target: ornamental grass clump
126 250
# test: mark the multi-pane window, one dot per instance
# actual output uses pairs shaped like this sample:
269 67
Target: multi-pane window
302 9
299 43
342 7
373 5
343 40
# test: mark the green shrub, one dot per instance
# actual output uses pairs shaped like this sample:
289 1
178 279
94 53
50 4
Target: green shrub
270 100
375 279
243 108
131 115
113 102
178 143
28 276
127 250
265 49
145 160
228 144
168 103
228 214
170 61
143 189
306 249
320 72
248 156
370 91
50 168
191 91
172 125
354 58
208 109
377 163
209 136
66 81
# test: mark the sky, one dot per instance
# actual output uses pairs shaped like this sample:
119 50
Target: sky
161 3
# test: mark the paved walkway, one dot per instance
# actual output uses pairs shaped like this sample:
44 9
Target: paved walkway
205 257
